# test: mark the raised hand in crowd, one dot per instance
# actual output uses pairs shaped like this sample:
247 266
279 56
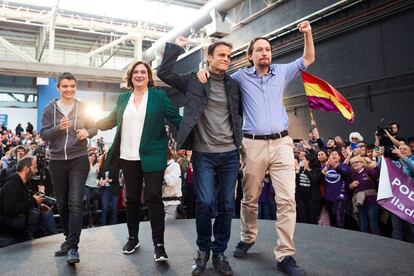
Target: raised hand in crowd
41 188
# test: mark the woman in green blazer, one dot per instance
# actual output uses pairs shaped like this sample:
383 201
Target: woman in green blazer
140 145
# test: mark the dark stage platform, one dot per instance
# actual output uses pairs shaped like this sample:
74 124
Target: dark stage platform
320 251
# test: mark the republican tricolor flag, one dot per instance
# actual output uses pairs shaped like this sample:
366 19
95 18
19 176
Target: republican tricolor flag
323 96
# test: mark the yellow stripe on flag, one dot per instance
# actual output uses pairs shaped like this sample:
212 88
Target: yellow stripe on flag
314 90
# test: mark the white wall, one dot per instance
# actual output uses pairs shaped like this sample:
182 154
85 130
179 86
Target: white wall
20 115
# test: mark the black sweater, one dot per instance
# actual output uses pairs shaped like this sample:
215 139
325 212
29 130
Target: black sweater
15 198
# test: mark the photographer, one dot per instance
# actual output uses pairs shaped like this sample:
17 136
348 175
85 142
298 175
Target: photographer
387 137
23 214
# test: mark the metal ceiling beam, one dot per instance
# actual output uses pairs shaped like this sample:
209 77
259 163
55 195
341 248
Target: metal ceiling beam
36 69
201 19
104 48
9 104
16 50
52 33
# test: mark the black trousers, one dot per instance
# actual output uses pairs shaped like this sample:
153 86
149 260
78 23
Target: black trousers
134 178
308 210
68 179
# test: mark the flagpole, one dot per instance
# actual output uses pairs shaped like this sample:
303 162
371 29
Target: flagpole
313 122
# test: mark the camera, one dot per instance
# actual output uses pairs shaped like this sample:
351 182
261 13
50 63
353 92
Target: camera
49 201
381 128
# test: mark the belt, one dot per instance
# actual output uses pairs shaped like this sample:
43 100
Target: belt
171 198
267 136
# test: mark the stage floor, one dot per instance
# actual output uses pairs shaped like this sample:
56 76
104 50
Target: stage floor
320 251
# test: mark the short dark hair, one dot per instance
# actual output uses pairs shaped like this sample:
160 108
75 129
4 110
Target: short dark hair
370 147
20 147
410 139
24 163
250 48
213 46
128 76
394 123
65 76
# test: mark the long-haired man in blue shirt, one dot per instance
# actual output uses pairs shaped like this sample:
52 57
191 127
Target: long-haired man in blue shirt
266 144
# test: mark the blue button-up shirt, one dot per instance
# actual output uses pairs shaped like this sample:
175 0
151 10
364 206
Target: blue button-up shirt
262 96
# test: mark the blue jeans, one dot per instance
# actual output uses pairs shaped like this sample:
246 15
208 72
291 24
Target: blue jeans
109 199
48 223
215 177
369 214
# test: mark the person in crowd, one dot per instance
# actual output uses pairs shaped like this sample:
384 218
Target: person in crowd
330 144
91 186
10 163
355 138
29 128
315 140
308 196
210 128
171 191
140 146
361 149
19 130
66 126
322 158
403 153
22 214
410 143
364 186
337 193
339 141
262 86
101 145
267 204
191 197
110 187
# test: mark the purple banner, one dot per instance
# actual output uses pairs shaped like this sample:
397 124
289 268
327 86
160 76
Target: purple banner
396 191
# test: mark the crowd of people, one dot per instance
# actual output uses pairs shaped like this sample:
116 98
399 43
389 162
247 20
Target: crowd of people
329 175
212 168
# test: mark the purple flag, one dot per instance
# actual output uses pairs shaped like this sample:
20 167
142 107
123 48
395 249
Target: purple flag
396 191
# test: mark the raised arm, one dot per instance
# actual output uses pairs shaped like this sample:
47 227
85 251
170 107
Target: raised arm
308 49
165 71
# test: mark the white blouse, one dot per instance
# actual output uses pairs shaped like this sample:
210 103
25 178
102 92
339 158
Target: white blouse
132 126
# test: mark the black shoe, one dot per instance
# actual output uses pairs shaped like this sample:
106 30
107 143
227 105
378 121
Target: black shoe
289 266
130 246
241 249
221 264
63 250
159 253
73 256
199 264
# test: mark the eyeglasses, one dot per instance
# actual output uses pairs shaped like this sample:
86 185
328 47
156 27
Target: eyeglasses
354 138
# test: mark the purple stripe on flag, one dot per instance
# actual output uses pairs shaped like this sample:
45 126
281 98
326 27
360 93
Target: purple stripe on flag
322 104
401 203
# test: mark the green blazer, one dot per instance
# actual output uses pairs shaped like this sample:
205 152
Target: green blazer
154 140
